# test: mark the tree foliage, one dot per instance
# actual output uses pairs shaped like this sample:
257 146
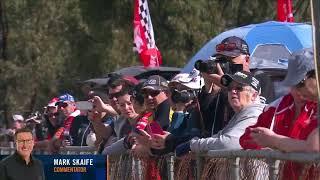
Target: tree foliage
52 44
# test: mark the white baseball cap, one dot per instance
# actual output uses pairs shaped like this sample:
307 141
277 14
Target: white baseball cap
192 80
17 117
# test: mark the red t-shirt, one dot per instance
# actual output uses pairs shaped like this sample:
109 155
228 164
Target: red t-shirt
281 112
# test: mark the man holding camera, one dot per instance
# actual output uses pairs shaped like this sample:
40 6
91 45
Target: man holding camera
232 55
184 89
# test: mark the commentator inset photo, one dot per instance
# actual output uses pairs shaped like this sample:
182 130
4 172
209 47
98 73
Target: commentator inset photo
22 165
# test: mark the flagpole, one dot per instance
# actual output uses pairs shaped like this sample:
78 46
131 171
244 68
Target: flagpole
315 15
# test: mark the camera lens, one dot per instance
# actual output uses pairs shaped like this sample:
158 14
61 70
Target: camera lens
197 64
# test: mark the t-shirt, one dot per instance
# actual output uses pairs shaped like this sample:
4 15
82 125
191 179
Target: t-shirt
162 114
15 168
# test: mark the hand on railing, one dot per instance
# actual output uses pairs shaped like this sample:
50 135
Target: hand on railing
264 137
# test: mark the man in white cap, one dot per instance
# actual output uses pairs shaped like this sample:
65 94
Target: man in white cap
18 123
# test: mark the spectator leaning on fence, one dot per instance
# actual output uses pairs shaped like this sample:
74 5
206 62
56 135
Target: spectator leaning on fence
290 117
243 96
213 101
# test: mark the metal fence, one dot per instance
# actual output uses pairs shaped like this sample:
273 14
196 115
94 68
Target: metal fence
232 164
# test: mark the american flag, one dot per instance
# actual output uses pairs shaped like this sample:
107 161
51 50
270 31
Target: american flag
144 42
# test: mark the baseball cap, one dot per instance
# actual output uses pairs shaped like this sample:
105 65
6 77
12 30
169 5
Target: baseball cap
17 117
65 98
300 63
241 77
52 102
192 80
232 47
155 82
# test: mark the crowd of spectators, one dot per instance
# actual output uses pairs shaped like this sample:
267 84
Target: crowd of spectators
219 105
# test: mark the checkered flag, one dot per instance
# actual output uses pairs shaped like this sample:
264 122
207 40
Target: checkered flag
144 42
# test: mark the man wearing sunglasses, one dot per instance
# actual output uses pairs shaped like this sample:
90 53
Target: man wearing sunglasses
67 108
154 91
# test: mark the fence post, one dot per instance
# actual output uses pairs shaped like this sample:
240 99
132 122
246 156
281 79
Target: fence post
170 167
273 168
199 165
235 168
139 169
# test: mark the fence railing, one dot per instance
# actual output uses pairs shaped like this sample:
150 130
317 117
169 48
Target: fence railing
232 164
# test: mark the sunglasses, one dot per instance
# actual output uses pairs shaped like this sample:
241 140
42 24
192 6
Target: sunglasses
310 74
152 93
237 88
114 95
53 114
63 105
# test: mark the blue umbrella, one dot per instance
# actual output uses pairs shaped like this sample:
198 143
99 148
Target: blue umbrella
293 36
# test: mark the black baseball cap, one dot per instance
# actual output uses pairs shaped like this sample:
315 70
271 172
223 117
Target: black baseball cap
155 82
241 77
232 47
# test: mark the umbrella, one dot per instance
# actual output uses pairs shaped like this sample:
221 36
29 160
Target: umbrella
263 40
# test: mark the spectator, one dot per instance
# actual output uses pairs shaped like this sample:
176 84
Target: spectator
243 97
66 108
289 117
122 126
114 87
184 90
18 123
213 101
99 129
34 123
52 121
155 90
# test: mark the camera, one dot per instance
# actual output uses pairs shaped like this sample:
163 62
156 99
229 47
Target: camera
210 66
183 96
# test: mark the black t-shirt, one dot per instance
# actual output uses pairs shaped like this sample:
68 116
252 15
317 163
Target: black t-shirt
267 87
161 114
215 110
79 130
15 168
